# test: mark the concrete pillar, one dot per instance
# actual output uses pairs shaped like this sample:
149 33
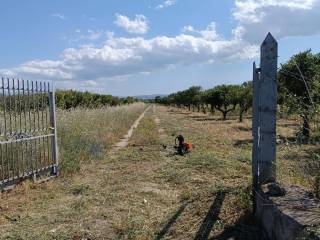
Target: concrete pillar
255 125
267 111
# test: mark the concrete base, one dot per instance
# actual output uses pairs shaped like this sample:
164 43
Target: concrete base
289 214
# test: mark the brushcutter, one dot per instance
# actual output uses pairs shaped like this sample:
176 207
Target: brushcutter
180 145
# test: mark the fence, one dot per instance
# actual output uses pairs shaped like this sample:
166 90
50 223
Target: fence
28 137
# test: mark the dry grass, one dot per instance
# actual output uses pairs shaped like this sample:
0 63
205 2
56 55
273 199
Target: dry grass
146 192
35 211
85 134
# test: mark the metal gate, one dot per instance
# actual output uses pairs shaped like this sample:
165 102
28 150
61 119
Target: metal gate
28 133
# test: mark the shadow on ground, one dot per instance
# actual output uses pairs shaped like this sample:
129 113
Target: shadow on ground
206 226
171 221
211 217
244 229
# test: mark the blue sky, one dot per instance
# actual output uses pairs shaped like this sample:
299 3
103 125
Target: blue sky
133 47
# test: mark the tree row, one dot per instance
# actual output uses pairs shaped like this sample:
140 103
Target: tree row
298 94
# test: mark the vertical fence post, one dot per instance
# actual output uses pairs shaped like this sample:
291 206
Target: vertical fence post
53 125
255 126
267 110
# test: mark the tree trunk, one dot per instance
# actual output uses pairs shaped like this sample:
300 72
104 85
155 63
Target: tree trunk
241 116
189 107
306 128
224 115
204 109
212 108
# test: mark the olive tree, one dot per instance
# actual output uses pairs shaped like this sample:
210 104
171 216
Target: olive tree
299 87
244 95
223 98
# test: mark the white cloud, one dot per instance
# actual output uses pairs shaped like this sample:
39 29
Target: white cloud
138 25
121 57
37 68
118 58
210 33
166 4
60 16
283 18
188 28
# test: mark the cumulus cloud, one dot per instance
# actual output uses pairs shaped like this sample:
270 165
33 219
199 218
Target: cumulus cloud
39 68
283 18
166 4
210 33
120 57
138 25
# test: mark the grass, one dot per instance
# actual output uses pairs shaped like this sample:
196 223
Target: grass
86 134
146 192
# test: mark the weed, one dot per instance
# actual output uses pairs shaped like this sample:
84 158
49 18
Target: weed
80 189
311 170
79 205
86 134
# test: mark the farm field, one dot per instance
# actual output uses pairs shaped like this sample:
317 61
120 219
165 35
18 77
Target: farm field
144 191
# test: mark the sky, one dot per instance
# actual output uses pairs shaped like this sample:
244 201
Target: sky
142 47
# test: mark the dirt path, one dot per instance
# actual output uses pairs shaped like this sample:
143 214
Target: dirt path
125 140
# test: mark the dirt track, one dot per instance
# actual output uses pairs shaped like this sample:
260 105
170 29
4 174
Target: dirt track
125 140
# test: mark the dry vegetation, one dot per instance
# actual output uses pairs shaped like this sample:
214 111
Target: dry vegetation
85 134
144 191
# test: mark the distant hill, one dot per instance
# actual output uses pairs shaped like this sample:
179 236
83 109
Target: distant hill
149 97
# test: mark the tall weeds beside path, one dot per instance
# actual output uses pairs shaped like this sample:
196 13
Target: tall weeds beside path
85 135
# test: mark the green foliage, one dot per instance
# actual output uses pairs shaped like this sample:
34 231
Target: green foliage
187 98
298 93
299 87
223 98
244 95
67 99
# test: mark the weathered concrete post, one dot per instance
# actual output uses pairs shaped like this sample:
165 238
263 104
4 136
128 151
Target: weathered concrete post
268 110
255 125
264 114
277 214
